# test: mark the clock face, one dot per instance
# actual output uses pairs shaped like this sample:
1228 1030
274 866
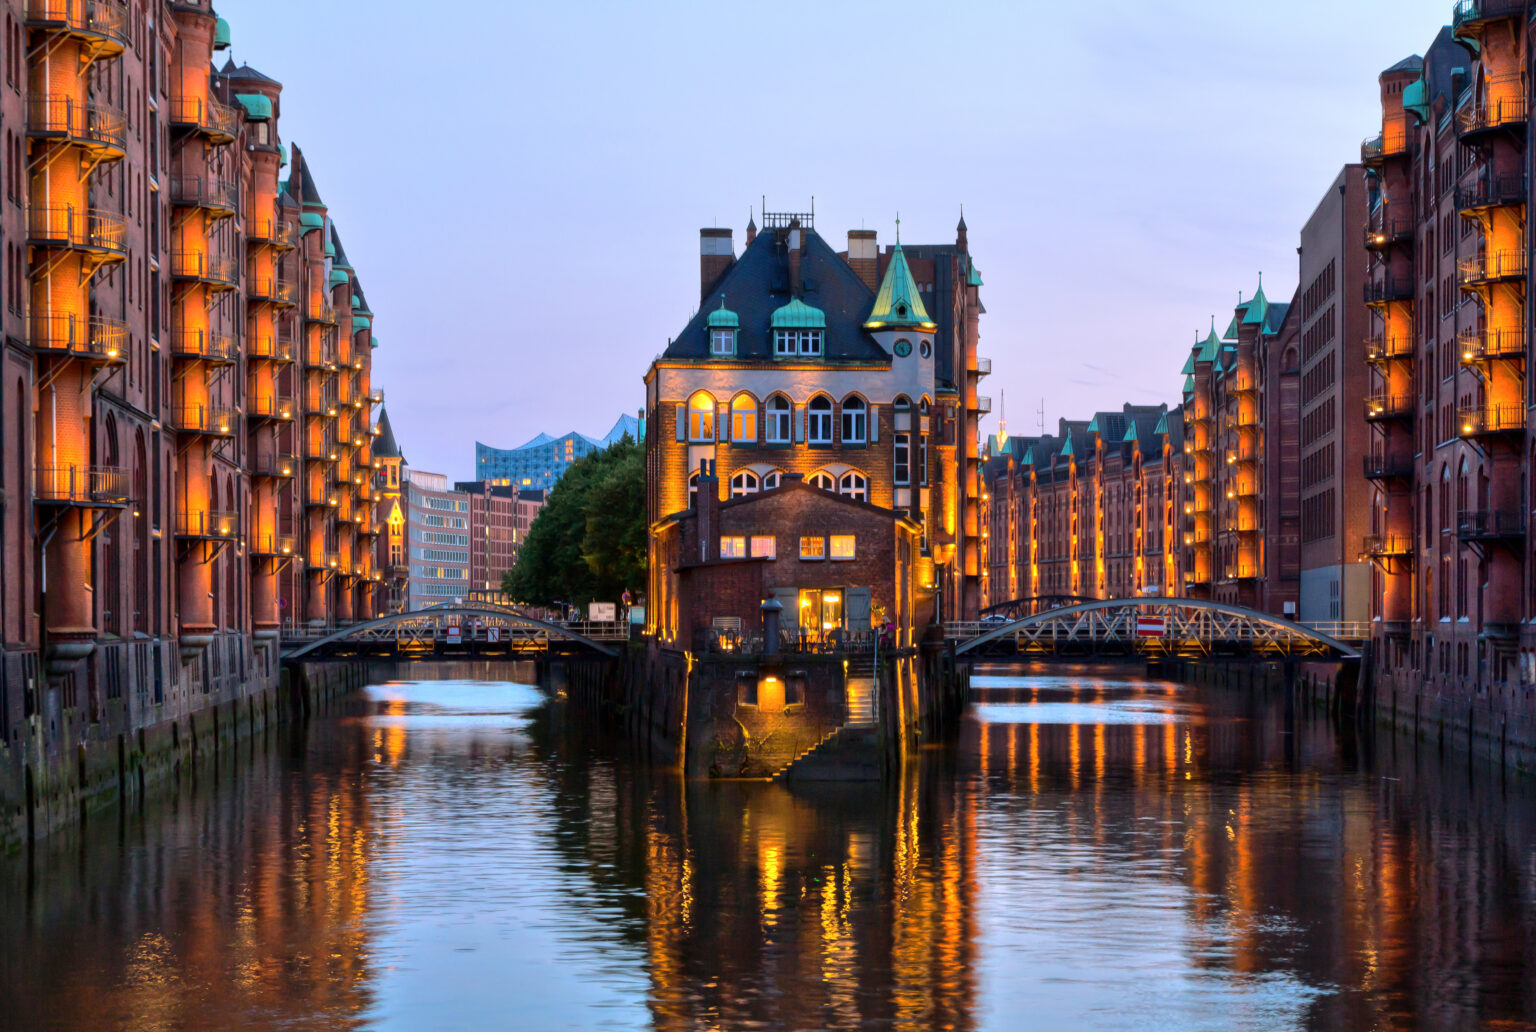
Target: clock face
903 348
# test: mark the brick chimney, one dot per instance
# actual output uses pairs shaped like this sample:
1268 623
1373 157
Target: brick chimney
708 501
864 256
796 253
716 254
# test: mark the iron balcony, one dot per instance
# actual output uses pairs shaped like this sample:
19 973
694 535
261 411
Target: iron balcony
1380 348
211 270
85 486
101 25
1386 144
280 235
1491 192
270 407
1384 230
270 347
1472 12
274 545
1490 420
274 466
96 338
208 525
103 234
1505 112
219 197
273 290
1388 547
206 419
205 345
1381 407
99 128
1490 525
207 116
1387 467
1389 289
1494 267
1479 346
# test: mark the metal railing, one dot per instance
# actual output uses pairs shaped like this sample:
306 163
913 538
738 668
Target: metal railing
320 311
1342 630
273 465
281 234
97 18
85 228
1384 467
983 404
95 336
208 524
793 642
1487 345
206 419
1490 419
1492 267
1380 348
206 115
274 544
200 265
1384 546
983 367
320 449
88 123
1470 11
80 485
205 344
1486 524
1389 289
1491 191
198 192
1389 143
1493 113
1385 229
320 405
1379 407
270 406
270 347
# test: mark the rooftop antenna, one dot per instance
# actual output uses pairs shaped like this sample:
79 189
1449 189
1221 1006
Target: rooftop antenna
1042 417
898 229
1002 416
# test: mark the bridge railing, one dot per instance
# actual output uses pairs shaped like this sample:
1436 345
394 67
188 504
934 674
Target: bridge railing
791 643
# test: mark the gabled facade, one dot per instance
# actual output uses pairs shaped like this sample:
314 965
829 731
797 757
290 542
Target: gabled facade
856 370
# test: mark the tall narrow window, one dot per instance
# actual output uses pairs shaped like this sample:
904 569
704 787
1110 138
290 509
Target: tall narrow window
701 417
744 419
902 459
819 430
855 420
779 414
922 460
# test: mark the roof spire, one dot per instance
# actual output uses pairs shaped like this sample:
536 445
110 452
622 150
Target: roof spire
898 229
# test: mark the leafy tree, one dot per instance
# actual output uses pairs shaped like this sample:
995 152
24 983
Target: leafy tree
589 541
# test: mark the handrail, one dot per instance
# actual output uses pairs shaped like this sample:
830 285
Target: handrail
87 17
201 265
89 228
80 484
58 114
205 114
195 191
204 344
208 419
95 336
207 523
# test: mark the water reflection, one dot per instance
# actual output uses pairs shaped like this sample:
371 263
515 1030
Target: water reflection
1096 851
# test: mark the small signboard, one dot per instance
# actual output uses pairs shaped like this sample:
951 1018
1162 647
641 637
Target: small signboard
455 635
493 635
602 612
1151 626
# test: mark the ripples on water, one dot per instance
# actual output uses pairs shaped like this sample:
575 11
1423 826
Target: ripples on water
1096 851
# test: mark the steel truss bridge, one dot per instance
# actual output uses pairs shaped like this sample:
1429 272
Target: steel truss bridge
479 631
1149 628
1019 608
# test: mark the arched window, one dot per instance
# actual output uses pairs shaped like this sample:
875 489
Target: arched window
779 414
772 480
819 428
855 420
922 406
854 485
744 483
701 417
744 419
693 489
823 480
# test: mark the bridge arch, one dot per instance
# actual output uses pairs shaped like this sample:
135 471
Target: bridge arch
442 616
1018 608
1191 627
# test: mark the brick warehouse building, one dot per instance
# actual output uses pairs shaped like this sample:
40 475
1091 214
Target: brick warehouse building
1455 581
804 360
1093 511
185 391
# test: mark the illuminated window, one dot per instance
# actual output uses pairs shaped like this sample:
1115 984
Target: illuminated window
779 414
765 547
733 548
842 546
744 419
823 480
855 420
813 548
854 485
819 423
744 483
701 417
771 480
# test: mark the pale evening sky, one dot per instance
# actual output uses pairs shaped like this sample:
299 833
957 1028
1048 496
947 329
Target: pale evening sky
520 186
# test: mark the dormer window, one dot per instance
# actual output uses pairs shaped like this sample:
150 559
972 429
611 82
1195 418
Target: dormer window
793 343
722 342
723 326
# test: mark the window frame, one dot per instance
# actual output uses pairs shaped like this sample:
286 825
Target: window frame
854 423
743 411
725 334
823 481
833 540
750 484
754 549
817 552
701 419
773 414
814 418
854 485
901 459
737 546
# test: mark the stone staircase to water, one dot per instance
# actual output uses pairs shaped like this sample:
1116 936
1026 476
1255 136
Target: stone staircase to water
852 752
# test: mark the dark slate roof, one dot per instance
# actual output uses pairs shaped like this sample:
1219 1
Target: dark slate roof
245 72
757 284
1146 418
341 252
300 183
357 288
1444 57
386 446
1411 63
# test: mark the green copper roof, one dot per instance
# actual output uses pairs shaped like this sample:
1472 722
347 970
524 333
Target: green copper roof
282 149
221 35
1189 364
797 315
311 220
1067 452
1416 99
360 322
1189 385
1210 345
1162 425
1029 457
723 318
373 340
256 106
330 248
339 277
1258 308
1093 424
1231 333
898 305
973 279
1130 433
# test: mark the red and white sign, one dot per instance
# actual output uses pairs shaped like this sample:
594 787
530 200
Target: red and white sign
1151 626
455 635
493 635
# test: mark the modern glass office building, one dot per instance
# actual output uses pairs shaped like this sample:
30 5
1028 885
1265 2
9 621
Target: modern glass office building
542 461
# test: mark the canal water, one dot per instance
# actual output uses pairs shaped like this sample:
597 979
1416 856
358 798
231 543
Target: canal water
1097 851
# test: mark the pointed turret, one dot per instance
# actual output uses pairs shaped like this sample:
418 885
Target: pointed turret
385 446
898 305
